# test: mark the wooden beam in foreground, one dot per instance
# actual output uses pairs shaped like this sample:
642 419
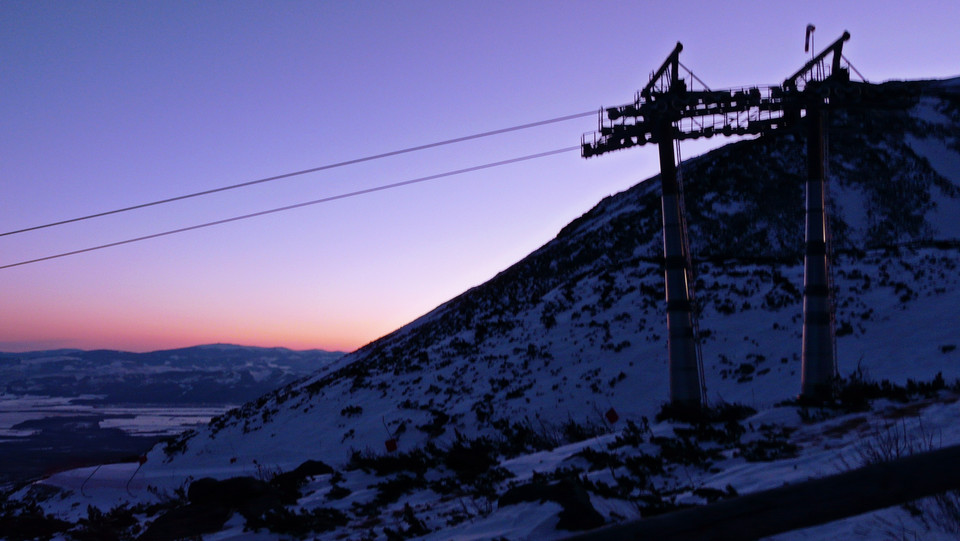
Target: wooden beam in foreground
800 505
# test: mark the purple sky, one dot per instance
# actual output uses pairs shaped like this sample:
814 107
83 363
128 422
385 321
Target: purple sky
110 104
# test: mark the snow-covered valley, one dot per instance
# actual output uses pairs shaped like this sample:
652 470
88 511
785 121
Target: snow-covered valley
67 408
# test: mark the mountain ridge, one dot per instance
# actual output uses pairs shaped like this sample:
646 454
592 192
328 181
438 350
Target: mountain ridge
215 346
200 374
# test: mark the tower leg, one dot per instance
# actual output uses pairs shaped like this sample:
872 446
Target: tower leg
819 365
685 383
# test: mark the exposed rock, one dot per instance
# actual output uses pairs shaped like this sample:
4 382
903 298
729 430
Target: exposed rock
187 522
578 513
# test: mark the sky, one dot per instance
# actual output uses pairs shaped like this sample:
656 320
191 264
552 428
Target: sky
105 105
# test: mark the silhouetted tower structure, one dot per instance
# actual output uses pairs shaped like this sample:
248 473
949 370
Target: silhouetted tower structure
665 112
686 373
811 88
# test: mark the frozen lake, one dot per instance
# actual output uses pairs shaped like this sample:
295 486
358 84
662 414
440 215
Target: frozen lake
40 435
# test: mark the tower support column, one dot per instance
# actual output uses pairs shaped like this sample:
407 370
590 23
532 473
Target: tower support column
686 390
819 364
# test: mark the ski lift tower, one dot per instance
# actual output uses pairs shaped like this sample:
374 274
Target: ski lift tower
652 122
664 113
812 88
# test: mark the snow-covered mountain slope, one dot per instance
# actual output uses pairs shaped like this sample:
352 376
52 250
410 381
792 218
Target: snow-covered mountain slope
536 357
578 326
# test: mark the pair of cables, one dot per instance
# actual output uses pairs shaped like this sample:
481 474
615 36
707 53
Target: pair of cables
274 178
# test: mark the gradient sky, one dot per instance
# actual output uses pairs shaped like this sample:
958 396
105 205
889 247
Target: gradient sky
109 104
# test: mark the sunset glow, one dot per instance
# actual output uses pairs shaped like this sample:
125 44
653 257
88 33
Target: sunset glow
111 104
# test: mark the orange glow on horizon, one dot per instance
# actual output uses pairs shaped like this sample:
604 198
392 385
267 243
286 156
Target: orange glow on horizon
36 331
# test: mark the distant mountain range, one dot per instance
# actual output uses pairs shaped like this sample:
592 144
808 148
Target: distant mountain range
210 374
